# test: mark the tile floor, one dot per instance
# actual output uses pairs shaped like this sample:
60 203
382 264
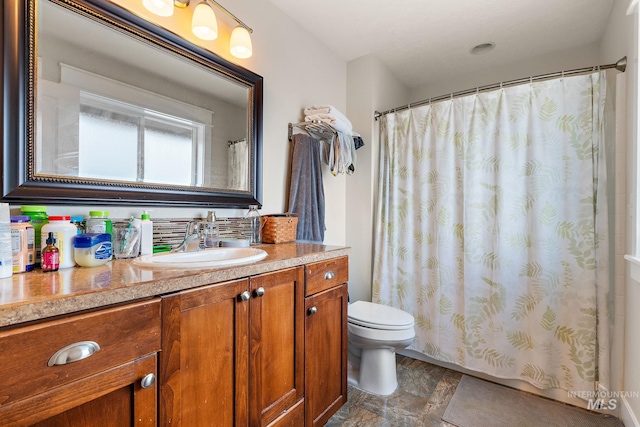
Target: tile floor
423 393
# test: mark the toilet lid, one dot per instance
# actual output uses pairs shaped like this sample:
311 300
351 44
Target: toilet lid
378 316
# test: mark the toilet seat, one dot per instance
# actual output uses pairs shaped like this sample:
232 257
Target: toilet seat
377 316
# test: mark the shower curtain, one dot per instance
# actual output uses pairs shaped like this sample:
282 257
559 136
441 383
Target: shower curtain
491 230
238 165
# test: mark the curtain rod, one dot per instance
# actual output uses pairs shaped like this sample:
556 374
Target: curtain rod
621 66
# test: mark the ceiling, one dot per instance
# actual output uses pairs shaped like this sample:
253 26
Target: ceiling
424 41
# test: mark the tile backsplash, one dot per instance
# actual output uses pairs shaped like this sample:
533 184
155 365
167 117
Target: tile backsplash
170 231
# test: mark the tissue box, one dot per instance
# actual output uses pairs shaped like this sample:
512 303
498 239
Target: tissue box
279 228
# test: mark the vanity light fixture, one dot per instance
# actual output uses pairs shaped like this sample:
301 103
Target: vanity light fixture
204 24
159 7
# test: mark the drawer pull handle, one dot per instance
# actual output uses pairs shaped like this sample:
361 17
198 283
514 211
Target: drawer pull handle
245 296
259 292
313 310
74 352
329 275
148 381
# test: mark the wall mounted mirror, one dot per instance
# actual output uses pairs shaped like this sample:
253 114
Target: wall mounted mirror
104 107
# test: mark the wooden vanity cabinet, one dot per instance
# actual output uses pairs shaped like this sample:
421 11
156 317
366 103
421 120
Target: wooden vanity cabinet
276 348
325 339
233 353
204 362
105 378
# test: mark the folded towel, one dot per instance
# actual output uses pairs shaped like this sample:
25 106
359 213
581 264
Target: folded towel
343 125
328 109
318 109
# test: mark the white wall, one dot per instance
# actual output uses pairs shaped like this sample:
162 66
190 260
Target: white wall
579 57
620 39
370 87
298 71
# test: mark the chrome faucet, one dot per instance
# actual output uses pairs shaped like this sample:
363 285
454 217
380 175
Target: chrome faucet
193 239
200 235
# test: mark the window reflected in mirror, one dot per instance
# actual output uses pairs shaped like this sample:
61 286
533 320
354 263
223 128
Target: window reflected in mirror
129 112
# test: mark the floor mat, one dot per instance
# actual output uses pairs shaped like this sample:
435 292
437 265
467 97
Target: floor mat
479 403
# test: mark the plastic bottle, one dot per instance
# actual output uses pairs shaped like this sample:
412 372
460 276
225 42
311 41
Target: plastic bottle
211 231
146 234
38 215
50 255
99 222
63 233
22 244
6 256
255 225
78 221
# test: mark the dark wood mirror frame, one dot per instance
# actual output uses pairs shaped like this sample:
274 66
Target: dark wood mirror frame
18 181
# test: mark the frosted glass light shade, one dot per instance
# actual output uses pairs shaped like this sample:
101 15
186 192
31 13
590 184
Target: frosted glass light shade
159 7
203 23
241 43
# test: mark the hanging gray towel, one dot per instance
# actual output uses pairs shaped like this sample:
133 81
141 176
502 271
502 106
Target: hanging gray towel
306 193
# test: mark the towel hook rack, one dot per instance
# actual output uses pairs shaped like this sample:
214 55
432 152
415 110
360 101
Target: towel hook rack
315 125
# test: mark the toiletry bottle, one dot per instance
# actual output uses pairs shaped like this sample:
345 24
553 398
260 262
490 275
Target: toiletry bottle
255 224
50 255
22 244
38 215
211 231
63 232
146 234
99 222
78 221
6 255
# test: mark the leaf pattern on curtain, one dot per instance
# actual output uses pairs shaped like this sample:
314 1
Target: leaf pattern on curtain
491 230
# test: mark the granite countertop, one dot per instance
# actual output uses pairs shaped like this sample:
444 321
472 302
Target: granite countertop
35 295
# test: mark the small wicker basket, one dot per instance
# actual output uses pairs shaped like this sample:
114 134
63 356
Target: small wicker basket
279 228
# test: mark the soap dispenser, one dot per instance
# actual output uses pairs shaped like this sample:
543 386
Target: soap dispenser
146 233
211 231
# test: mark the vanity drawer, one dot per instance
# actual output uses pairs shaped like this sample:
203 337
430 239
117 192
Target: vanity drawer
326 274
123 334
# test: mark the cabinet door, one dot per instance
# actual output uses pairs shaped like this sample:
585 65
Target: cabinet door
325 354
113 398
276 380
204 362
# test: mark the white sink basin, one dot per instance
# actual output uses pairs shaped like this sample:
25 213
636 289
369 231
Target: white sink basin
208 258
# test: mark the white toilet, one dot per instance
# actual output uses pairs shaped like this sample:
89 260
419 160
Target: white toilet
376 331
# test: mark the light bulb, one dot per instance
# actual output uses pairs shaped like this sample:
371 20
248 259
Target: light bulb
241 43
159 7
203 23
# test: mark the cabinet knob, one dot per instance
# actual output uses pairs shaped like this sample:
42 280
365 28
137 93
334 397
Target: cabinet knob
259 292
148 381
329 275
245 296
73 353
313 310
